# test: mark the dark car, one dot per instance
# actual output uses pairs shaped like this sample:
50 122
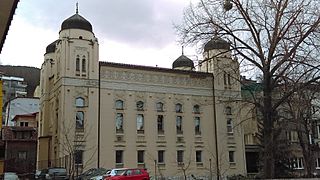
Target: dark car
40 174
57 174
128 173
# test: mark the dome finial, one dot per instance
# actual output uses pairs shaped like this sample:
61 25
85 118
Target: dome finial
77 8
182 49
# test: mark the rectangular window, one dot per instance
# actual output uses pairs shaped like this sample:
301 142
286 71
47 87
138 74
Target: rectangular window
179 124
140 157
180 156
140 123
161 156
297 163
119 156
231 157
24 124
292 136
318 163
78 157
198 156
160 124
22 155
197 125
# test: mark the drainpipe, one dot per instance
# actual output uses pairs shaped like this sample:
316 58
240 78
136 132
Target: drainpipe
215 127
99 103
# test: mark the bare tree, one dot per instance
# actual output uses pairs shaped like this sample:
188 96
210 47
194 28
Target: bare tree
277 39
302 113
73 143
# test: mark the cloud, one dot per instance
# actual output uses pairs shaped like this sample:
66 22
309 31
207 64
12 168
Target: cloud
139 23
135 32
25 44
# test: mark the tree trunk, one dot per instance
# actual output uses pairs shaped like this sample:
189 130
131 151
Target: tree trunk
268 136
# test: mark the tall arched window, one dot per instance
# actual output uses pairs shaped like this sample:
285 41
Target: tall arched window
78 63
119 123
83 64
80 102
228 110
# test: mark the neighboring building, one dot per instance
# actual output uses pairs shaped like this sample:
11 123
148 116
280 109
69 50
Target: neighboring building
13 87
20 106
300 127
1 144
111 115
20 142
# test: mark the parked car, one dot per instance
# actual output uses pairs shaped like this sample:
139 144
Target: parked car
57 173
40 174
128 173
92 174
10 176
101 175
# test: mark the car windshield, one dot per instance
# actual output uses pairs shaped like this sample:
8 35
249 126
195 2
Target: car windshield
119 172
57 170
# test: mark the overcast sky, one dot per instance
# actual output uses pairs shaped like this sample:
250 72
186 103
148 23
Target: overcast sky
129 31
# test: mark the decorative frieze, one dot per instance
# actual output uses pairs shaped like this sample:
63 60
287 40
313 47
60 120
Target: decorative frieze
167 79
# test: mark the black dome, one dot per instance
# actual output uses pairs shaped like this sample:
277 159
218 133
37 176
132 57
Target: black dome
51 47
216 43
183 61
76 22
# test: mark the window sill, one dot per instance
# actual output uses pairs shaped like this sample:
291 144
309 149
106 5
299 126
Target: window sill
232 164
199 164
119 165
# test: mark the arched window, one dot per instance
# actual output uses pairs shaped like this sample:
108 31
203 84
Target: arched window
80 102
196 109
140 105
228 110
178 108
83 64
159 106
119 104
78 63
80 120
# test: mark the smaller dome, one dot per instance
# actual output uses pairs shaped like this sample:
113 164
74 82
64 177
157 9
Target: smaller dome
216 43
51 47
76 22
183 61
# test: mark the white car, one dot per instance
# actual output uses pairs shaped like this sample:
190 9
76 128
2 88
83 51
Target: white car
10 176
